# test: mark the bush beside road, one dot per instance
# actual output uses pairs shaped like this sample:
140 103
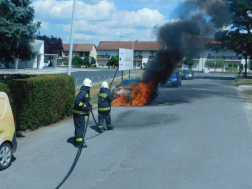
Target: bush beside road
40 100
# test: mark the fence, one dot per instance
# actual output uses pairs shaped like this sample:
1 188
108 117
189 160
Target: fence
108 78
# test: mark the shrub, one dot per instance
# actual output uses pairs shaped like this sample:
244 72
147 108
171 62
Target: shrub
230 65
235 65
231 68
241 67
77 61
220 63
41 100
5 88
210 63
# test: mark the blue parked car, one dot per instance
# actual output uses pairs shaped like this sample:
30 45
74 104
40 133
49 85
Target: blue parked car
175 79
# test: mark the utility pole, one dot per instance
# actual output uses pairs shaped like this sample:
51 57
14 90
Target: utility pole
71 41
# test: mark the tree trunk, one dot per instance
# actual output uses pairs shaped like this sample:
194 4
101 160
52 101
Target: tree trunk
16 63
245 75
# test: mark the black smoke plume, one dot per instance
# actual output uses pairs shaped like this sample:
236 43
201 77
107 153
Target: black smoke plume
198 18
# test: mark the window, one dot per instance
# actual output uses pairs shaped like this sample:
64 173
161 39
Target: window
81 54
66 53
153 53
86 54
139 53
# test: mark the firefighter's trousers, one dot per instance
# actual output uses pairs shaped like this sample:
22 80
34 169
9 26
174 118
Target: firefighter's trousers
79 124
104 115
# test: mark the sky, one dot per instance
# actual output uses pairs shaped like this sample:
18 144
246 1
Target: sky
104 20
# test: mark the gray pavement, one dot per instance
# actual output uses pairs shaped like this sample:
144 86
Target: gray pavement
196 136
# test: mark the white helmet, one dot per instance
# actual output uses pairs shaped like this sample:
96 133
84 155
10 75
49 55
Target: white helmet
104 84
87 82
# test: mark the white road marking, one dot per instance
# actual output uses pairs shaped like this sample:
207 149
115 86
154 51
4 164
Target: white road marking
199 89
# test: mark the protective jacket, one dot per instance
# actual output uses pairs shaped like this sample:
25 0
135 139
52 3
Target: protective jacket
104 99
82 101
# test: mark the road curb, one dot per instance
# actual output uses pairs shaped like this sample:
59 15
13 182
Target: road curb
20 133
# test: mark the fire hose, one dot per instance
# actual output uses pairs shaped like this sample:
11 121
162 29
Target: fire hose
78 152
80 148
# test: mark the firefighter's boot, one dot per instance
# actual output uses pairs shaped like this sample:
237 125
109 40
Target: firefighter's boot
100 128
110 127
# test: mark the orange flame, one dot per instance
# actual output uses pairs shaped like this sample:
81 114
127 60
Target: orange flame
141 95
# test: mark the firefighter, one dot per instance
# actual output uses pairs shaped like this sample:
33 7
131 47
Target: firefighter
82 106
104 107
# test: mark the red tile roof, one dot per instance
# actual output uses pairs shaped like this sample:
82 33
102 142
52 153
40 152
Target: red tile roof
79 47
138 45
200 42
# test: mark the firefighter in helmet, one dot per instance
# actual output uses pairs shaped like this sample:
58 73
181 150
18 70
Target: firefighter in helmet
82 106
104 107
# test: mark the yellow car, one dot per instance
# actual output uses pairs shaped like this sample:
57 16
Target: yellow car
8 142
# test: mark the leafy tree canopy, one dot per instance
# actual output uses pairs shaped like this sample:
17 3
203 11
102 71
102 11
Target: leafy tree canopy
86 60
77 61
239 38
219 63
189 62
53 45
114 61
17 30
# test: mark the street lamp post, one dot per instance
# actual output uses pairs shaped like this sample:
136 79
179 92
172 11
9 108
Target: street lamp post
71 41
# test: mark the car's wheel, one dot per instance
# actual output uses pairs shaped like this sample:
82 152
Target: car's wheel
5 156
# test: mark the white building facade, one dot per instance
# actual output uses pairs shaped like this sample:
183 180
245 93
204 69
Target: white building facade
144 51
205 54
38 62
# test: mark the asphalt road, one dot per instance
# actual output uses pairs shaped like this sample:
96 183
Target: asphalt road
194 137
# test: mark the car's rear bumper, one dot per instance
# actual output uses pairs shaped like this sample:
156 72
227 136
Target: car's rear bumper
172 82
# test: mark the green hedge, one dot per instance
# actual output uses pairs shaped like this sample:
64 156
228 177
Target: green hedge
5 88
231 68
42 100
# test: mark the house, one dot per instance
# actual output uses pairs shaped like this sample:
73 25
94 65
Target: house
203 54
144 51
82 50
38 62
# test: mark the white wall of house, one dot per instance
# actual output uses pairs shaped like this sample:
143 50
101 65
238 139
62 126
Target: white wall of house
93 53
38 46
204 56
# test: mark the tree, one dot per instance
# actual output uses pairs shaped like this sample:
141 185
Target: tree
239 38
17 31
235 65
86 61
241 67
210 63
189 62
77 61
52 45
220 63
114 61
230 65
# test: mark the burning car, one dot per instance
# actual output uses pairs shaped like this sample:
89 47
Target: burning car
133 92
